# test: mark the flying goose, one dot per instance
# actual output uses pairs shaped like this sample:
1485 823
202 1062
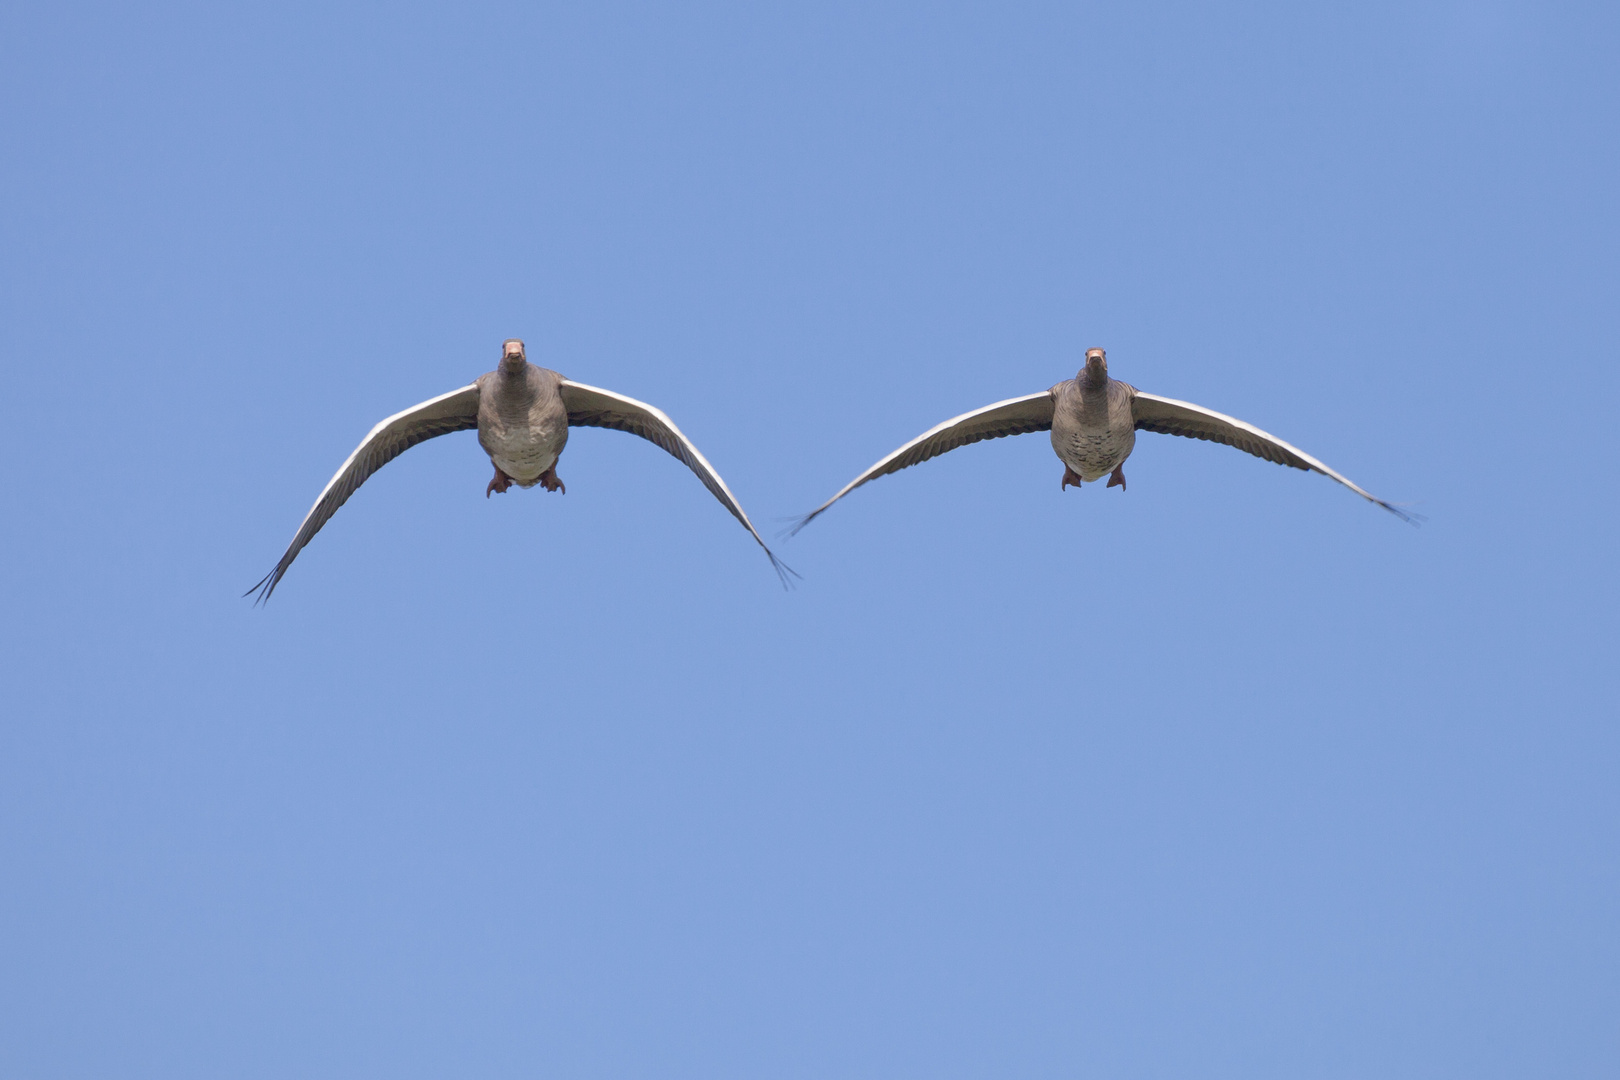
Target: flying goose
1093 420
522 413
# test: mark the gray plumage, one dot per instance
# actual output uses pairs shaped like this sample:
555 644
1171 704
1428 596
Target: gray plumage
522 420
1093 431
522 414
1093 420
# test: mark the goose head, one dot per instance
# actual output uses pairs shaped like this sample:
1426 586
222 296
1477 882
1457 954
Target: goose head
513 357
1095 373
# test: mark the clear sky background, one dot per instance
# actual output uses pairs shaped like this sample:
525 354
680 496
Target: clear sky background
1228 775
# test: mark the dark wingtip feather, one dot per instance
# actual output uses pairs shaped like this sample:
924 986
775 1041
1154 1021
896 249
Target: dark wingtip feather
1411 517
265 587
784 573
798 523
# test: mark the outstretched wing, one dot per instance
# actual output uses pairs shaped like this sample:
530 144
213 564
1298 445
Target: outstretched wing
591 406
1015 416
455 411
1171 417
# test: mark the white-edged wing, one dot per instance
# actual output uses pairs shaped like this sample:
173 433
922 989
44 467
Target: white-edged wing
1015 416
1171 417
591 406
455 411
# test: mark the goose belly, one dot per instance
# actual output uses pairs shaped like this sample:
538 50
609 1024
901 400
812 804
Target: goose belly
1093 453
525 451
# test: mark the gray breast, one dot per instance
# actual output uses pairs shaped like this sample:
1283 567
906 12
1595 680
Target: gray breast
1093 432
522 423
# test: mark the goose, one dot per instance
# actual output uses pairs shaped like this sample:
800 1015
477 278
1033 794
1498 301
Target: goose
1093 420
522 413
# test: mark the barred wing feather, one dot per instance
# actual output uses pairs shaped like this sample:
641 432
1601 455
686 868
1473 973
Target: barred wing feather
455 411
1168 416
591 406
1015 416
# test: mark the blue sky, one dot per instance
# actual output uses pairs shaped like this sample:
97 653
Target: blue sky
1227 775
